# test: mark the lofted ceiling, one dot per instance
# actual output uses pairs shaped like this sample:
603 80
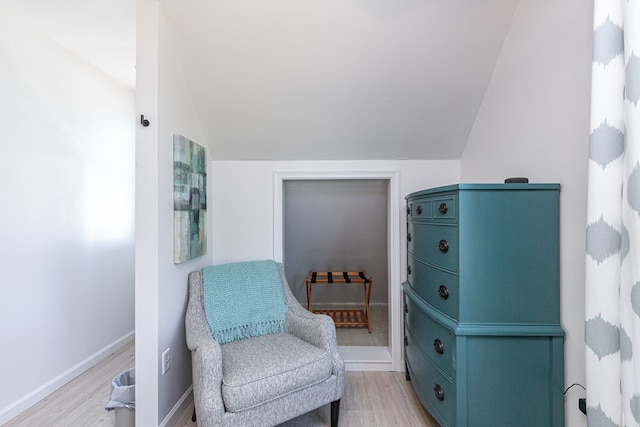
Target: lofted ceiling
338 79
312 80
102 32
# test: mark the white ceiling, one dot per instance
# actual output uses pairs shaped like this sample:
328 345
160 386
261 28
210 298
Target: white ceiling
307 80
338 79
103 32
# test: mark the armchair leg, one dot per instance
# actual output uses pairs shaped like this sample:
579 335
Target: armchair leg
335 412
193 417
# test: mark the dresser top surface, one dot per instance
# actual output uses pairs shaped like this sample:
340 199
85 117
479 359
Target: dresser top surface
484 187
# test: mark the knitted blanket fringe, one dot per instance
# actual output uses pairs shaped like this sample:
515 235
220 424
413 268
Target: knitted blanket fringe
249 331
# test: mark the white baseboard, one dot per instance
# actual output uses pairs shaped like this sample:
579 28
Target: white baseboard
366 358
33 397
178 408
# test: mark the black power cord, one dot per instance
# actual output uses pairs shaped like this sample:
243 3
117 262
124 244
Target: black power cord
572 385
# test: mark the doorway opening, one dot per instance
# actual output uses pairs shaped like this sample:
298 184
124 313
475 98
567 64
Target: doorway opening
340 226
345 221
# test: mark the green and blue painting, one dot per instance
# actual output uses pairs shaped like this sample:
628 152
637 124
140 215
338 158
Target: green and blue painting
189 199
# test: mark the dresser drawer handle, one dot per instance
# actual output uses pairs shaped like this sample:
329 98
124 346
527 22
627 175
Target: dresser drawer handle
406 341
408 269
406 308
408 210
443 292
438 346
419 210
439 392
443 208
443 246
409 237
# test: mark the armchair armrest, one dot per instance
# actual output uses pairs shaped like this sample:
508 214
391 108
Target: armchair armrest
316 329
206 356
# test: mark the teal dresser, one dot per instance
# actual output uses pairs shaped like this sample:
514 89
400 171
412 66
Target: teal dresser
482 334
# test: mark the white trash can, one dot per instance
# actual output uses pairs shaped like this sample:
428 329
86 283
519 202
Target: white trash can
123 399
125 417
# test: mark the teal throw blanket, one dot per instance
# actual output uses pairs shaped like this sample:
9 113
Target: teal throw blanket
243 300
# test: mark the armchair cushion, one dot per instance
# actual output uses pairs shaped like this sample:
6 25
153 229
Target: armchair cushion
260 369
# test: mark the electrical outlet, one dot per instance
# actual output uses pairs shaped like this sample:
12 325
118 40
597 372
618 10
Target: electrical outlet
166 361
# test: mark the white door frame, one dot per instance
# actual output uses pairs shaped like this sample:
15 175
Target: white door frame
359 358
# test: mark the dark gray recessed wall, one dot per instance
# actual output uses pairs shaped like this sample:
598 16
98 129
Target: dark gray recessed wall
336 225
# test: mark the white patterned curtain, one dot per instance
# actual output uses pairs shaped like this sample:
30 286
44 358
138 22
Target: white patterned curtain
612 306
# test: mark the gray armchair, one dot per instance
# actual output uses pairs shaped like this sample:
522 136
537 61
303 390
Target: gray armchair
267 379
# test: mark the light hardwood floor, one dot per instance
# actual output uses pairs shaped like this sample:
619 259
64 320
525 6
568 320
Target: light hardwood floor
370 399
80 402
379 399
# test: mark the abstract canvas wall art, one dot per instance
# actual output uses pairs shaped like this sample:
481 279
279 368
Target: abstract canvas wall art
189 199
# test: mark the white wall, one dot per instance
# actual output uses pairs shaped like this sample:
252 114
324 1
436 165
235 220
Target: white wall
66 224
242 199
534 122
161 286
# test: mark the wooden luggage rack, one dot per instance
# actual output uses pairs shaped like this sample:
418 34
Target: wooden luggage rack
342 317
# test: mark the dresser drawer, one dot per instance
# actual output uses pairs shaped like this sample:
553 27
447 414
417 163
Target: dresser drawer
438 288
420 209
436 392
434 244
445 208
435 341
442 208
